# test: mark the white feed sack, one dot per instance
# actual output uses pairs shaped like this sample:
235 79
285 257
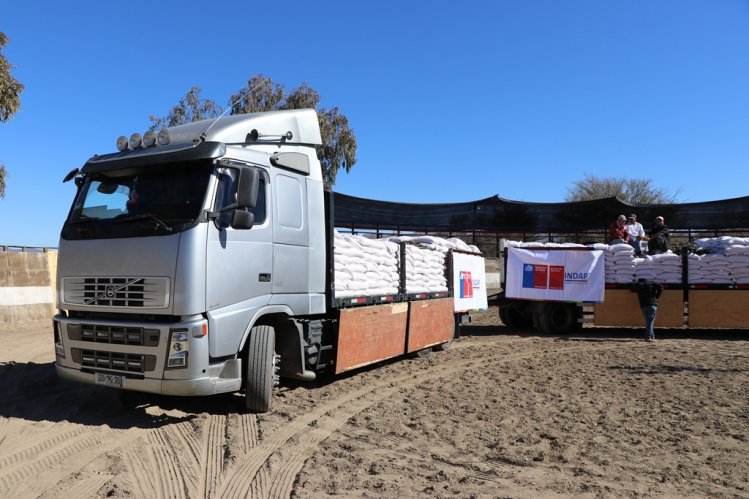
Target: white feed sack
366 266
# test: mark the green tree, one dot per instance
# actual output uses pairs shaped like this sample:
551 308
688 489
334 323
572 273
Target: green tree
338 149
10 100
189 108
260 95
632 190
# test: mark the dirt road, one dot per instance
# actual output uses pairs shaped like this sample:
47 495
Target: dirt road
502 414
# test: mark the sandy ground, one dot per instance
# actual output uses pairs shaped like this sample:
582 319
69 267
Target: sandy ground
503 413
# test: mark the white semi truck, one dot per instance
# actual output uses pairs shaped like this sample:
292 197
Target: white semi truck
199 260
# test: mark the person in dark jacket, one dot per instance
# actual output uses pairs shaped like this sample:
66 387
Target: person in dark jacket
658 237
648 293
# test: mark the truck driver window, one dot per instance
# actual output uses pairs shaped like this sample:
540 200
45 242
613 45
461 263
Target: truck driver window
226 196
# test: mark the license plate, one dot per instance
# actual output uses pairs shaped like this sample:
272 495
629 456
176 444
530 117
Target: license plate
114 380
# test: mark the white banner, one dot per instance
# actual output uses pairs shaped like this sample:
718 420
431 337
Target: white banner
555 275
469 282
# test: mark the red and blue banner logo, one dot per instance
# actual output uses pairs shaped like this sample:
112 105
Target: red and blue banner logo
466 284
535 276
543 276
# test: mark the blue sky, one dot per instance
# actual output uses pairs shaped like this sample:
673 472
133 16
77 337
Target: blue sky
450 101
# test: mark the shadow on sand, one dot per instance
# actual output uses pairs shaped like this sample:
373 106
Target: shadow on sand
34 392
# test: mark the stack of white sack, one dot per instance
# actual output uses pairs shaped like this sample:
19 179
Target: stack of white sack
720 244
365 267
726 263
708 269
619 265
738 262
663 268
695 274
425 270
425 261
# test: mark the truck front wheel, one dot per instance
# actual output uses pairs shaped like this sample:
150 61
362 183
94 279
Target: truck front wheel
261 373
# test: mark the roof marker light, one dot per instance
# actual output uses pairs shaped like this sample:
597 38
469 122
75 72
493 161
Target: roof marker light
149 139
163 137
135 141
122 143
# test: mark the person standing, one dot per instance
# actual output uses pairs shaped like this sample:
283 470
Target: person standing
648 293
618 231
636 233
658 237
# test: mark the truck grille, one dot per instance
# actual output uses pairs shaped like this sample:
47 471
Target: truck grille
130 292
117 335
129 362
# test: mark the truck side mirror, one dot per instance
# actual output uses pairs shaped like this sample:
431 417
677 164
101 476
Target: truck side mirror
242 220
247 185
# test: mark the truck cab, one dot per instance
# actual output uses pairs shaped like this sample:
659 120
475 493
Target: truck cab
186 252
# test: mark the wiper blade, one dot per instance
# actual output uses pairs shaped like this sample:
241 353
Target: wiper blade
143 216
83 219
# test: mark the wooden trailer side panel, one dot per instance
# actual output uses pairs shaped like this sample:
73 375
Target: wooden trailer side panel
430 322
724 308
621 308
370 334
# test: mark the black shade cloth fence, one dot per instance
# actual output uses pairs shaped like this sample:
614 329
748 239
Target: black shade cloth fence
496 214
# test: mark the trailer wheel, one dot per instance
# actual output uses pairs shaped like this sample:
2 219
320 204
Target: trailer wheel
262 370
420 354
443 346
557 318
512 317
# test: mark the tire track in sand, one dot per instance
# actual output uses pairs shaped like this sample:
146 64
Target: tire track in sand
294 443
55 464
180 460
477 470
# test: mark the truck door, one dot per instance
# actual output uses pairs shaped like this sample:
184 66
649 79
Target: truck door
290 234
239 264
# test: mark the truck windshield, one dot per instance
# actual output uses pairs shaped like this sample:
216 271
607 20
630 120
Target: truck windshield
138 202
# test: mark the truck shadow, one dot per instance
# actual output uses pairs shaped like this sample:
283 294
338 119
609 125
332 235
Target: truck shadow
33 392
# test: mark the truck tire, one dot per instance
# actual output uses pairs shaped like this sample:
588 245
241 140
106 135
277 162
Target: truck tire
512 317
261 375
557 318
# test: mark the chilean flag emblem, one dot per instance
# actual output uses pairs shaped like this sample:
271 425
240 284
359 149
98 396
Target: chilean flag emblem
535 276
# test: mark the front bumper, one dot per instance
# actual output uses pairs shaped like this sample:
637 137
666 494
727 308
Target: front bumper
87 347
181 387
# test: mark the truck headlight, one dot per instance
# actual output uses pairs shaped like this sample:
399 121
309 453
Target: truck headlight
178 349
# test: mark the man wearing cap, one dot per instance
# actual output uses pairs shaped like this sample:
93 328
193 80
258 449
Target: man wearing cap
636 233
658 237
618 231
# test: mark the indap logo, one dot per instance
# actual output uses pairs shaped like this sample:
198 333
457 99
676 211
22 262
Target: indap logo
543 276
576 277
466 284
